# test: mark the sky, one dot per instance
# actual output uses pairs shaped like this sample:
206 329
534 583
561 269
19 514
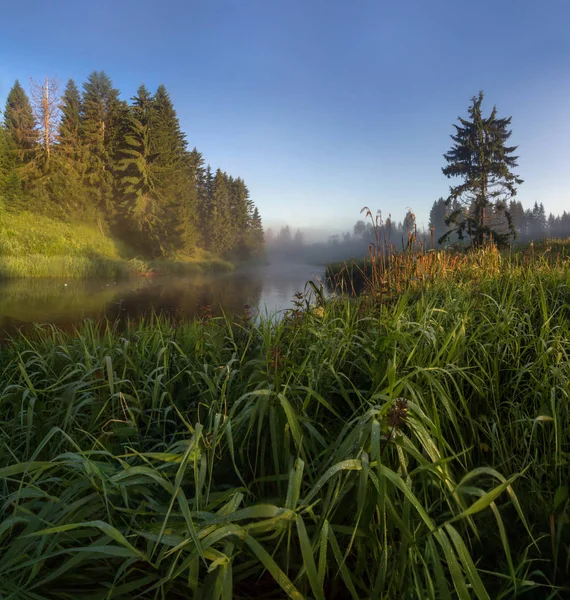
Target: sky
323 106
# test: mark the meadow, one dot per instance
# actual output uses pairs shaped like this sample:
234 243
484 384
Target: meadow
410 442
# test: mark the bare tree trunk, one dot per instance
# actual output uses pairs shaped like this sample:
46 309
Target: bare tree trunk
45 102
46 115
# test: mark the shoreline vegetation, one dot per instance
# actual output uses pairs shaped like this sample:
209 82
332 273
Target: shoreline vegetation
409 442
32 245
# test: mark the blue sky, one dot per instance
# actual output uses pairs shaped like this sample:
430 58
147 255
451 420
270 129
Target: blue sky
323 106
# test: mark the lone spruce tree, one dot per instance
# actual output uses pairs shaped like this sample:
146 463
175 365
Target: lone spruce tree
481 157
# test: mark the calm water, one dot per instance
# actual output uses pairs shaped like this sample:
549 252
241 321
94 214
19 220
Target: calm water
269 289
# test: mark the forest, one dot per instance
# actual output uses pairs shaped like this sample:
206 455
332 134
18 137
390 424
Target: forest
88 156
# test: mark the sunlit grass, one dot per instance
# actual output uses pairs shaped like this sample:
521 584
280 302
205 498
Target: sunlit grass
415 447
32 245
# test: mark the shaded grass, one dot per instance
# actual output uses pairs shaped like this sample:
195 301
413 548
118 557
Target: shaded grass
415 448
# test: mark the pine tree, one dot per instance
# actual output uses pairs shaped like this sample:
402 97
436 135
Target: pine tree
481 157
20 123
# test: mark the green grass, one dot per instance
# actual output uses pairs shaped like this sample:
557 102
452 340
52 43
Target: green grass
32 245
411 448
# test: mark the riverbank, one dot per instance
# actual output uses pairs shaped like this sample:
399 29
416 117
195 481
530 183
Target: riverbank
414 447
37 246
385 272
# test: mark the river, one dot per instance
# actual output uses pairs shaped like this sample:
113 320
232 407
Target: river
269 290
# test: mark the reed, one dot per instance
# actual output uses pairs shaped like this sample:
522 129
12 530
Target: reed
414 448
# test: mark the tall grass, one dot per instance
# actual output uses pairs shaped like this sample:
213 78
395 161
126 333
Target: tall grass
416 448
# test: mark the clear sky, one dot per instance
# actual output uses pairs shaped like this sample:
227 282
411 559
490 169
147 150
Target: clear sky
323 106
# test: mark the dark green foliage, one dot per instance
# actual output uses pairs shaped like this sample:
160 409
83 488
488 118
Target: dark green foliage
141 210
175 189
437 216
69 138
125 167
10 188
481 157
102 122
20 123
220 224
68 167
255 239
404 450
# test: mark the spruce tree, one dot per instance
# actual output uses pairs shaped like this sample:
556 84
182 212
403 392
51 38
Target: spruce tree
206 211
67 185
481 157
142 213
69 135
256 243
103 118
176 191
220 224
20 123
200 177
437 216
9 182
241 212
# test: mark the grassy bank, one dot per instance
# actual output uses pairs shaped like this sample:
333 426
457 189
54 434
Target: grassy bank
410 448
36 246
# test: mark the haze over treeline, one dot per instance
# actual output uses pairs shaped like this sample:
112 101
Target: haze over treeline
87 155
297 243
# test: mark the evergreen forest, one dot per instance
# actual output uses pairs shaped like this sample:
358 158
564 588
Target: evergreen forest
85 155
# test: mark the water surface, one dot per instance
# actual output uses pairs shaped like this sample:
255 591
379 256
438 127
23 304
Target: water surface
268 290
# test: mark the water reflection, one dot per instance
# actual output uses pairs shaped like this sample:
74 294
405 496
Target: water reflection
269 289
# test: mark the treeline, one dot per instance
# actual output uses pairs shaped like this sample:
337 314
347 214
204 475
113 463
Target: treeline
284 245
90 156
528 224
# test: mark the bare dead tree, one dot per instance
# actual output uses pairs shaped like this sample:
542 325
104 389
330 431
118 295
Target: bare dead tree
46 106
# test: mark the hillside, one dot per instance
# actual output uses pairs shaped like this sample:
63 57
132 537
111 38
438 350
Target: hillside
33 245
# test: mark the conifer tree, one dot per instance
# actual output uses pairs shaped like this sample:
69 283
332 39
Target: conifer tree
9 182
142 211
220 224
481 157
67 185
103 118
206 210
176 192
437 216
256 242
20 123
241 212
69 135
199 177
